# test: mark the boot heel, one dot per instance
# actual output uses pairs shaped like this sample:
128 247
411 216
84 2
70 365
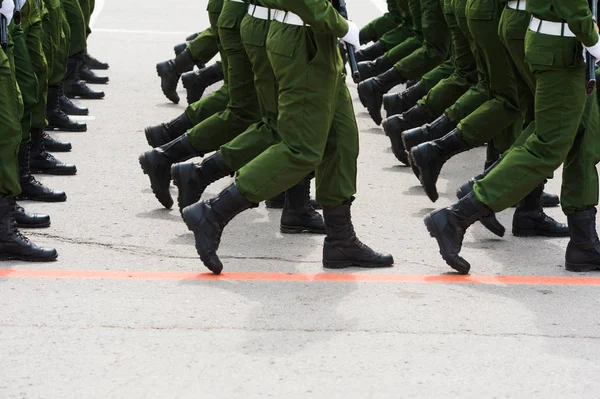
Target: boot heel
291 229
336 264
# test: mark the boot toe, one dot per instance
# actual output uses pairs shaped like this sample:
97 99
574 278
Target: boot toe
550 200
437 224
169 80
494 226
427 175
212 263
159 180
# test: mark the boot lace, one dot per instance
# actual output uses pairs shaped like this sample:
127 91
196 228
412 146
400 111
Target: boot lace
13 229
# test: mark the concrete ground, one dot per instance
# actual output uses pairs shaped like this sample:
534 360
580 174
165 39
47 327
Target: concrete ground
127 311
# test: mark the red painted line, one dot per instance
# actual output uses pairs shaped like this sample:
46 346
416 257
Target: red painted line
299 277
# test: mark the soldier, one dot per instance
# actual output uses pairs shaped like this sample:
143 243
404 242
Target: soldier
318 130
552 50
412 65
87 7
13 244
29 63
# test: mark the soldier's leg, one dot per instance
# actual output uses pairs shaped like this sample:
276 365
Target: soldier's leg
204 46
77 25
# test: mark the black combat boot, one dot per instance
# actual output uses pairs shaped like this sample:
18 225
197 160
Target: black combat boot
195 83
170 72
428 132
371 91
54 145
394 126
87 75
73 85
550 200
369 69
192 179
207 219
165 132
179 48
31 189
371 52
298 215
13 244
157 163
530 220
57 119
30 220
430 157
397 103
448 227
43 162
583 251
342 248
68 106
93 63
276 202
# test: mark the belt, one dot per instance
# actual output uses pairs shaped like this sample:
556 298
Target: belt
260 12
517 4
289 18
550 28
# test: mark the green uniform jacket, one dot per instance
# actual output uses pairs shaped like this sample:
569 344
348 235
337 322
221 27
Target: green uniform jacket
319 14
576 13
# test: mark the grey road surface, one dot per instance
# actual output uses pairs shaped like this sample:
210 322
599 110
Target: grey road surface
83 336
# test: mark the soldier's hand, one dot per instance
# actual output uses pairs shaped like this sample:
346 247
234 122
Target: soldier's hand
352 36
7 9
593 50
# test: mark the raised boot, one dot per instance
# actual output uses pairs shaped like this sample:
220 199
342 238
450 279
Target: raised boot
430 157
157 163
195 83
207 219
298 215
371 52
56 117
369 69
397 103
31 189
428 132
371 91
73 85
489 222
165 132
583 250
448 227
550 200
394 126
42 161
170 72
192 179
529 219
93 63
69 107
179 48
54 145
27 220
13 244
342 248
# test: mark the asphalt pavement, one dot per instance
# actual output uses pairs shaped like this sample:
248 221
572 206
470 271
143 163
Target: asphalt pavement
128 310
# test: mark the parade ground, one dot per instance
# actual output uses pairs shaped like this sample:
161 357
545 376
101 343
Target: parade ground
129 311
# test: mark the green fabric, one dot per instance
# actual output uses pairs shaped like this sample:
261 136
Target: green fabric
404 49
87 7
204 46
319 14
11 104
498 117
396 36
558 137
59 62
260 136
242 109
77 27
51 24
29 64
462 63
436 42
576 13
316 120
209 105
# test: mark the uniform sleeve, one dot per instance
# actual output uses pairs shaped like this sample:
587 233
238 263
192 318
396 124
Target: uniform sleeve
578 16
319 14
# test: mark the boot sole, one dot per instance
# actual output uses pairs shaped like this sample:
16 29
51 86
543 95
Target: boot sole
27 258
83 97
42 199
346 264
55 172
581 267
435 233
63 129
34 226
286 229
535 233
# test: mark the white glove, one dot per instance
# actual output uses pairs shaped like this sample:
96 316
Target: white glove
594 50
352 36
20 4
7 9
